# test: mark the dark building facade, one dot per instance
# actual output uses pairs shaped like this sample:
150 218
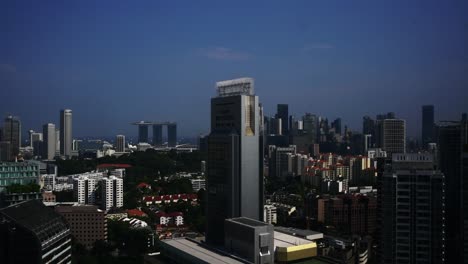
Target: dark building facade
352 214
32 233
427 133
283 114
234 181
412 213
87 223
452 136
12 134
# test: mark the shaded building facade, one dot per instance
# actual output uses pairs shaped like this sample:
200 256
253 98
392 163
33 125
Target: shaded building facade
234 178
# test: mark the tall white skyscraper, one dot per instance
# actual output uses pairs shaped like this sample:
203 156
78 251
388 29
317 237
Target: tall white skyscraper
112 193
66 137
120 143
48 132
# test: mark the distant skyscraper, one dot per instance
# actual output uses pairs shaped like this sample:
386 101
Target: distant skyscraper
120 143
172 135
157 135
12 134
66 137
283 114
143 133
310 127
427 134
393 135
413 204
337 125
234 180
452 136
49 142
33 137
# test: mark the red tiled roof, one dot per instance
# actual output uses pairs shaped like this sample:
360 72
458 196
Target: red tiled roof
135 212
143 185
112 165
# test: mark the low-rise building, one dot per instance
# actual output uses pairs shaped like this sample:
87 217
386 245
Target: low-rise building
88 224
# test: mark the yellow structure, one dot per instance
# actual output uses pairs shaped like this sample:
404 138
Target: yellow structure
290 248
291 253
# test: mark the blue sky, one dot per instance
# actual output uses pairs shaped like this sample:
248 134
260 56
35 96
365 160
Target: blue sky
114 62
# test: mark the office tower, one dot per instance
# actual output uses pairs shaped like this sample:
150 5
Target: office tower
143 133
87 224
310 127
49 142
66 137
12 134
368 126
393 135
250 239
427 133
112 193
18 172
452 136
172 135
278 161
157 135
32 233
5 151
283 114
337 125
413 204
233 168
33 137
84 190
57 142
120 143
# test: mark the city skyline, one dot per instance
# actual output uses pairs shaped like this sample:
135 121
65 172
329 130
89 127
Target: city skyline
100 63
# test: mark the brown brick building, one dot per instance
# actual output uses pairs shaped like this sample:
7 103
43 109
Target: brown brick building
354 214
87 223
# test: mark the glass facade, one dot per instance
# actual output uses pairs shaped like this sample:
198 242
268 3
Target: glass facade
18 173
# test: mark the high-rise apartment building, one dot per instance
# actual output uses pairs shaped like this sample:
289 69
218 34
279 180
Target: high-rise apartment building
84 190
112 193
412 214
120 143
66 137
49 142
452 137
427 133
234 180
278 161
12 134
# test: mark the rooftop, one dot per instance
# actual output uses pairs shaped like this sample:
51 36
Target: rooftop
307 234
35 216
199 251
247 221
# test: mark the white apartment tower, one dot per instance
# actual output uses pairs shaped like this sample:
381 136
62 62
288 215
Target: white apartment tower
112 193
84 190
